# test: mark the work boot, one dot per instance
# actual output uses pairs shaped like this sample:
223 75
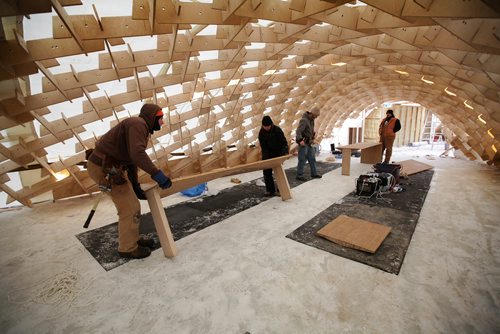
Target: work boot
139 253
269 194
317 176
301 178
146 242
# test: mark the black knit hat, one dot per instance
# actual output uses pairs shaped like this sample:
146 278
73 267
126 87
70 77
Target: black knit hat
266 121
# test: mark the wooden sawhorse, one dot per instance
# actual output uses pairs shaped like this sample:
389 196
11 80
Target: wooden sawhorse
154 193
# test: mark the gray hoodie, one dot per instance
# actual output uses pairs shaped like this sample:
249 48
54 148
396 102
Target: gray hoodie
305 130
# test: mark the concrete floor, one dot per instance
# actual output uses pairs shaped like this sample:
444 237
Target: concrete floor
242 275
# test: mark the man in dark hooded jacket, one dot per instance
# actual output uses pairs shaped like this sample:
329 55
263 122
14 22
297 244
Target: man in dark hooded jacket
273 144
124 148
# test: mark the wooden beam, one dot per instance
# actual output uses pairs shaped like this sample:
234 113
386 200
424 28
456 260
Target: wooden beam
192 180
51 78
61 12
160 221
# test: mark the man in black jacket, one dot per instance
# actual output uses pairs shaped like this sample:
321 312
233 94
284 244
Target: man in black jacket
273 144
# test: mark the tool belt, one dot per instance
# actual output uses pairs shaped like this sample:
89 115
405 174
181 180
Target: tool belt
112 169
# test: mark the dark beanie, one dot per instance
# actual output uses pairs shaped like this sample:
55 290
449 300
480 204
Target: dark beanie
390 112
266 120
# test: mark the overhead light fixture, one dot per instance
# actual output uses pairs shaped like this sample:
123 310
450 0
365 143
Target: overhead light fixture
480 119
427 81
269 72
401 72
411 104
494 148
469 106
449 93
305 66
491 133
339 64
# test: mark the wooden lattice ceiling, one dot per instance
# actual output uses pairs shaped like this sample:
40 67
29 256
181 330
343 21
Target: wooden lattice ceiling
272 57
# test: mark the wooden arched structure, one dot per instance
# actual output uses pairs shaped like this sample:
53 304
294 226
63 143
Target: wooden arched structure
229 62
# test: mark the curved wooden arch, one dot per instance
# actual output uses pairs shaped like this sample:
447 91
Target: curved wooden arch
225 64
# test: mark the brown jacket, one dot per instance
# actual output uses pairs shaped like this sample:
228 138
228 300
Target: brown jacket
128 140
389 127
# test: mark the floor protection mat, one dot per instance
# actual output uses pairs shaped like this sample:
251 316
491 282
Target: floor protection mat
188 217
400 211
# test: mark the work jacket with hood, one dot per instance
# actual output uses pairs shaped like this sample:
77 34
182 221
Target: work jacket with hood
273 142
127 141
389 126
305 130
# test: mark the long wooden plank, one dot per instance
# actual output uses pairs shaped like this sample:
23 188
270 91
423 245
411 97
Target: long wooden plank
185 182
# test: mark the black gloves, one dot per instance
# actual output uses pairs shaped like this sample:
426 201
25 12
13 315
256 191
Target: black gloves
132 177
138 191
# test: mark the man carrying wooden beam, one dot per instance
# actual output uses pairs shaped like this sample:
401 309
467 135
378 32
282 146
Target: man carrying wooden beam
273 144
124 148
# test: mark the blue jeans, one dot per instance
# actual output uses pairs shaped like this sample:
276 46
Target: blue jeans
306 153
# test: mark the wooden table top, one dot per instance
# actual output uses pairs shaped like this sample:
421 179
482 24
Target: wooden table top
359 146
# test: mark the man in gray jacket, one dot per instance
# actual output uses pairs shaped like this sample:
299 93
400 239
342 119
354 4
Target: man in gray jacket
305 137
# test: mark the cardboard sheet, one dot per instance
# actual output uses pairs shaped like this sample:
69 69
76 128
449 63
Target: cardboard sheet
355 233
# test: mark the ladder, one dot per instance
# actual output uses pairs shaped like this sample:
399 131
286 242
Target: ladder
432 132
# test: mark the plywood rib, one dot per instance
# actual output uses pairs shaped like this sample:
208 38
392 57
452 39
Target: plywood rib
225 64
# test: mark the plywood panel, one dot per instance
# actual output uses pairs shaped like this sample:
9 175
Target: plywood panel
412 166
355 233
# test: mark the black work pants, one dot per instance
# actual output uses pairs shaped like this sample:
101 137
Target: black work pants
269 180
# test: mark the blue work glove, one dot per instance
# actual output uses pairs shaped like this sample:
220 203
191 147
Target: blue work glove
162 180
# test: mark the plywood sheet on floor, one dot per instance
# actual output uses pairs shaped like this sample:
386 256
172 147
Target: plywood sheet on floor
355 233
400 211
412 166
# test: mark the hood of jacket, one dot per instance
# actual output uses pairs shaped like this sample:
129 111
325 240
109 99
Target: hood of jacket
148 112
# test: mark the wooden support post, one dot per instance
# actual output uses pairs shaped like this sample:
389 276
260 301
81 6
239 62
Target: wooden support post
282 181
346 161
108 47
52 79
92 103
161 222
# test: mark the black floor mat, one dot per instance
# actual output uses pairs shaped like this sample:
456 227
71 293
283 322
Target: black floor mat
397 210
187 217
